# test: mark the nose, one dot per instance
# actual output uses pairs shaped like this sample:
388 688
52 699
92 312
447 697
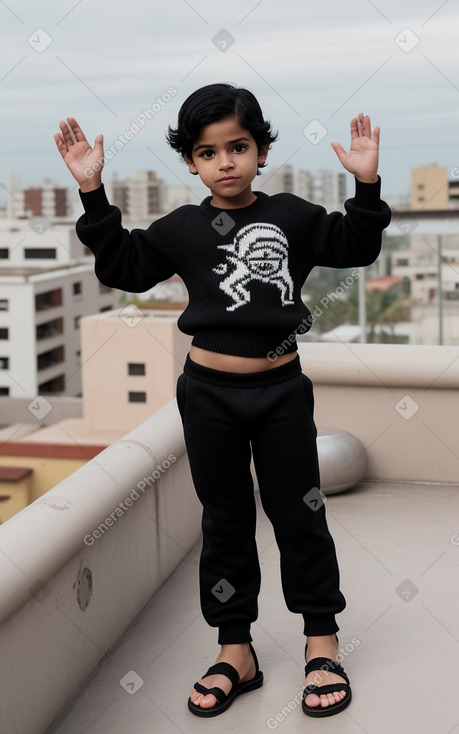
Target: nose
225 161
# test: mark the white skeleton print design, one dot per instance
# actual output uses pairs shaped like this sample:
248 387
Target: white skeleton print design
258 252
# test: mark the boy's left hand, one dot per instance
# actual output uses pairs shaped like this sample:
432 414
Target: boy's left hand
362 159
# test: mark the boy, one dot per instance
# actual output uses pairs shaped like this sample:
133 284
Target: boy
244 257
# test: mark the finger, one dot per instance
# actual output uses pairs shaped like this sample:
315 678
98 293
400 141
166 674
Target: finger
69 137
61 146
76 130
376 135
99 144
354 128
366 126
339 150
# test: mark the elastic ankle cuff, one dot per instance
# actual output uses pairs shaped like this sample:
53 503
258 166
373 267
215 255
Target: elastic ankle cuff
232 634
322 624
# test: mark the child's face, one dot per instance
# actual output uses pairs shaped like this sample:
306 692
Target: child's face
226 158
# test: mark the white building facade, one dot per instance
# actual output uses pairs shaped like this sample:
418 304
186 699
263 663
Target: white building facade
40 312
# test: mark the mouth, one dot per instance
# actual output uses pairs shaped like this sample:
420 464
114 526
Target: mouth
228 179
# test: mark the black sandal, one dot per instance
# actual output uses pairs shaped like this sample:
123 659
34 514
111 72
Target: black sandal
328 665
225 700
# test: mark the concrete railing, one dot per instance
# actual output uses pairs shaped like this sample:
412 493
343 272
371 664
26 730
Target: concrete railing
79 564
401 402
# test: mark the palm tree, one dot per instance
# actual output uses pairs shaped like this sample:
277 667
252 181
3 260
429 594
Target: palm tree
383 308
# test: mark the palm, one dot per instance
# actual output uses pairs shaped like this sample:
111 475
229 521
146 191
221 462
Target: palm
83 161
80 156
362 159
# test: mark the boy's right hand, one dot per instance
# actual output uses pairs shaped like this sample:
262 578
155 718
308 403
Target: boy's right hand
84 163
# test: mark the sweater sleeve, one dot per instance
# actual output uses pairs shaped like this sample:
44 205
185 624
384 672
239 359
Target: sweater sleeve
351 240
131 261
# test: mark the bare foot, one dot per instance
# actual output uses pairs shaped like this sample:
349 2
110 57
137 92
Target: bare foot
323 646
240 657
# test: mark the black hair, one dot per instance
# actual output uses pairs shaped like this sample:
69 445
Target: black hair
213 103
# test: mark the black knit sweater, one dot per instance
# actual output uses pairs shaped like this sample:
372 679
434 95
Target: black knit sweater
243 268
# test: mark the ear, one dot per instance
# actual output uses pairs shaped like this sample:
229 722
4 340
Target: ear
263 153
190 164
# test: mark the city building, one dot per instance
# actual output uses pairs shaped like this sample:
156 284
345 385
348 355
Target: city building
429 264
138 198
48 200
432 190
327 188
175 196
146 353
39 242
130 362
40 312
280 181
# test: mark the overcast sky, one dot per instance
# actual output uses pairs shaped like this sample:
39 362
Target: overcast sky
307 62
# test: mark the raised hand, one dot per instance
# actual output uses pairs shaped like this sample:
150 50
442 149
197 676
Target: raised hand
362 159
84 163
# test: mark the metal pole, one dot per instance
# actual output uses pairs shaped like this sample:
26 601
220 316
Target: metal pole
439 293
362 307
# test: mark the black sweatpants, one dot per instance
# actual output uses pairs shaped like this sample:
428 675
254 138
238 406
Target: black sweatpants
226 418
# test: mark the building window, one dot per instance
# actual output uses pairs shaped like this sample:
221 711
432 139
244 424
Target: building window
4 390
77 289
56 385
136 368
137 397
76 322
3 333
50 358
3 304
40 253
49 329
4 363
49 299
4 253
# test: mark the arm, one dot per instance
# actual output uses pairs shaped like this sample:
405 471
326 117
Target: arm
355 240
131 261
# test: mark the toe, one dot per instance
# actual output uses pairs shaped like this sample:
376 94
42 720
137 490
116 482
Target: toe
208 701
312 700
204 702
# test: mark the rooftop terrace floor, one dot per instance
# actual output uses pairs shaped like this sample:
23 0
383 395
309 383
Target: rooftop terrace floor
398 548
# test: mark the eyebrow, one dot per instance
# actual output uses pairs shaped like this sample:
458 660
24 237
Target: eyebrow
230 142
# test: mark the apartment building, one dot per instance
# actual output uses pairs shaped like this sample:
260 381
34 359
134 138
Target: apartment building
433 190
327 188
139 198
40 312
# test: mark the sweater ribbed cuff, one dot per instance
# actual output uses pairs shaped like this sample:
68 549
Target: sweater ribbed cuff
96 204
368 195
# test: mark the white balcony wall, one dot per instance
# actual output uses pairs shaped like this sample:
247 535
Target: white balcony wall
67 593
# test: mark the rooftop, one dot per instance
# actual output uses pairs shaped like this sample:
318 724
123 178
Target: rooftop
100 626
398 553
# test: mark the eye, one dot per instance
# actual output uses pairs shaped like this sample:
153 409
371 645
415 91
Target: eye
240 148
206 154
